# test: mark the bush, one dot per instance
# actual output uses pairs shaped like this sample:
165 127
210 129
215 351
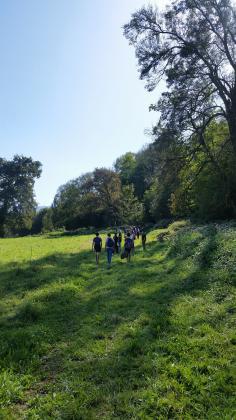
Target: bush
179 224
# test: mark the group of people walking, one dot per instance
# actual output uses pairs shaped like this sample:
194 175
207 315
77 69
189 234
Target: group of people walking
113 245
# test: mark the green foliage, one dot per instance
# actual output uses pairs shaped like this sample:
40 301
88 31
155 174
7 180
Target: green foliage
43 221
196 59
153 337
11 388
132 209
207 189
157 199
47 223
94 199
17 204
189 169
67 203
107 186
125 166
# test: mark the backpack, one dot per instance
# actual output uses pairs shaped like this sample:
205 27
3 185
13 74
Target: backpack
128 243
97 241
110 243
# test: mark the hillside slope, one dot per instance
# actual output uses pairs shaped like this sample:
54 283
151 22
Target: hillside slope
151 339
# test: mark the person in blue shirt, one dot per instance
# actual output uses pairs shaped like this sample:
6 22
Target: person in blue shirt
110 247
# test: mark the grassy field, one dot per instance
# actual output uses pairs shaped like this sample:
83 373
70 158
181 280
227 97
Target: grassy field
153 339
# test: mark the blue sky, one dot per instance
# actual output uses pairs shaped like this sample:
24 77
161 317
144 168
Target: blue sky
70 92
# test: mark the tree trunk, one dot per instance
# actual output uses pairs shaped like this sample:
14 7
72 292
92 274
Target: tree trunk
232 121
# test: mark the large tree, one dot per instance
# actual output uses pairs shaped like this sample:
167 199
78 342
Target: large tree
93 199
131 207
17 203
125 166
192 45
107 185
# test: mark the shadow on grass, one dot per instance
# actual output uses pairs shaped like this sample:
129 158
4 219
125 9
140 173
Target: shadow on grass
98 324
18 278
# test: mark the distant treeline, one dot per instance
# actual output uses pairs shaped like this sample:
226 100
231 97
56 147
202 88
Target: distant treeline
189 168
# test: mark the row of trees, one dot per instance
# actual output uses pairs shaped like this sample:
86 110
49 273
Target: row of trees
161 181
164 180
173 180
188 169
192 46
96 199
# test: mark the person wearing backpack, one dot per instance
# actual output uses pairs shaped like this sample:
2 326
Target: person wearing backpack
129 244
110 246
97 247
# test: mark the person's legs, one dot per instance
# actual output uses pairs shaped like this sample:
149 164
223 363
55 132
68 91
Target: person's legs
129 255
109 256
97 257
111 253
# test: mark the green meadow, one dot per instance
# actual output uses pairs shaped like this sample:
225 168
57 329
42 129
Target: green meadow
153 339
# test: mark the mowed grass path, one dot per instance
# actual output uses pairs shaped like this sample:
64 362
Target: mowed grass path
153 339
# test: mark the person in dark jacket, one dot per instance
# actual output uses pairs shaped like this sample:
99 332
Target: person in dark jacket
129 244
116 239
97 247
119 241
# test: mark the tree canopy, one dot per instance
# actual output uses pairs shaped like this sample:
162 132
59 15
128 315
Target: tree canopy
192 45
17 203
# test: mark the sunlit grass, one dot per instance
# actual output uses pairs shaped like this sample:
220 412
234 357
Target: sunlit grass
151 339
